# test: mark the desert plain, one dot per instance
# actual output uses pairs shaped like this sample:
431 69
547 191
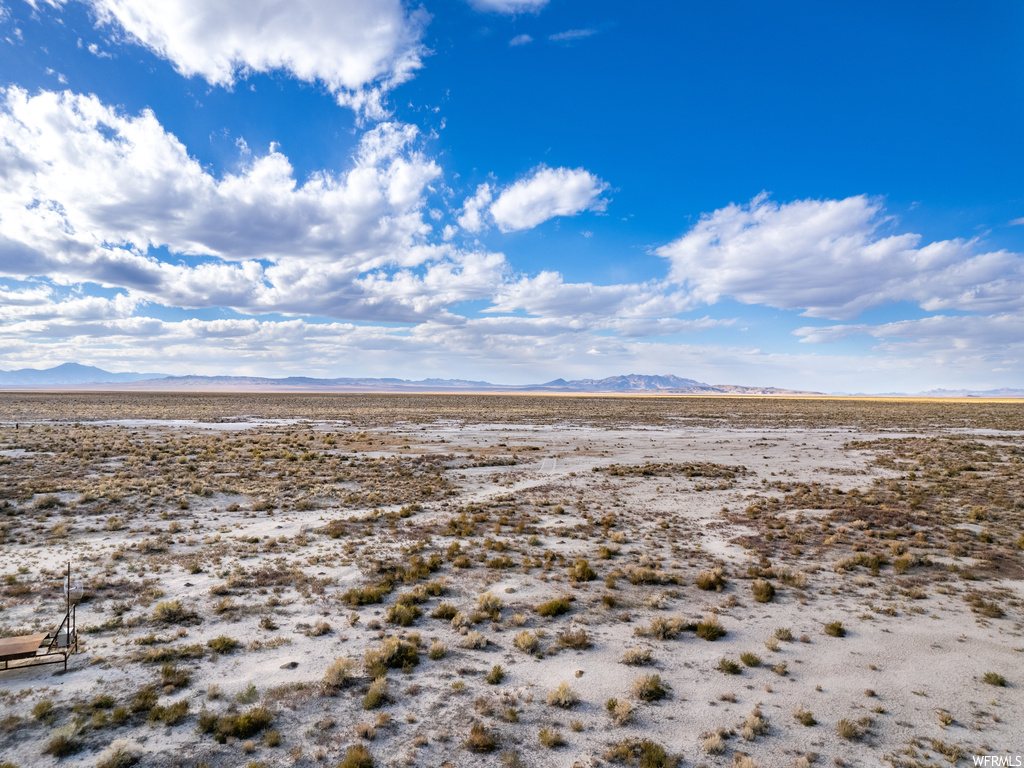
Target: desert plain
458 580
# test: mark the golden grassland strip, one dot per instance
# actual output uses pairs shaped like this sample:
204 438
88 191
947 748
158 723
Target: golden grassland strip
371 409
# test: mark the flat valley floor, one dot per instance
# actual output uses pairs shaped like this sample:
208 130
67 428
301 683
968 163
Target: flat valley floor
416 580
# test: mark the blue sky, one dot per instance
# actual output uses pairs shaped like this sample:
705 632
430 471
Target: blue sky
818 195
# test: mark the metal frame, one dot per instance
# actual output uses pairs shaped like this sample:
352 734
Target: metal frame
49 650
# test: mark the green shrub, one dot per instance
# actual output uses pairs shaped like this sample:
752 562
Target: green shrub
643 753
555 607
804 717
64 741
581 571
750 659
993 678
357 756
378 695
403 615
143 700
729 667
496 675
835 629
445 612
222 644
174 677
710 629
169 715
393 653
241 726
43 711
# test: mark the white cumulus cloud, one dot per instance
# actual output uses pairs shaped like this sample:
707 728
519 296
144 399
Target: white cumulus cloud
359 49
832 258
545 194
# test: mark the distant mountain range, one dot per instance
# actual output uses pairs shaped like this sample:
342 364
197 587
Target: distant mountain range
68 374
72 376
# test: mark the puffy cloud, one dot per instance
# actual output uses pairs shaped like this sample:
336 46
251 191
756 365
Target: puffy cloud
81 177
474 209
520 40
546 193
357 48
830 259
547 295
509 6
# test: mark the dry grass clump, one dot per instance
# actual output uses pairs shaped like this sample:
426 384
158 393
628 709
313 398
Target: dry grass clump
490 605
713 744
712 580
851 730
437 651
526 641
357 756
563 696
378 695
480 739
649 688
621 711
750 659
581 571
474 640
785 634
755 725
121 753
763 591
573 638
644 753
804 717
64 741
393 653
238 726
637 657
551 738
711 628
173 612
445 612
337 675
661 628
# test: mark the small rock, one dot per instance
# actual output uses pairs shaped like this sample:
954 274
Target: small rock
290 665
